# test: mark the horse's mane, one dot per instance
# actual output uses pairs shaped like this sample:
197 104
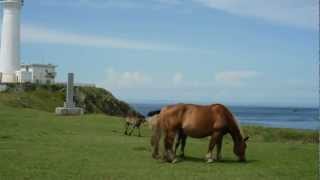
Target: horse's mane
238 125
152 113
231 116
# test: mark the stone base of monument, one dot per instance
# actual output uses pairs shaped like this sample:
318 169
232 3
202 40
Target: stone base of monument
63 111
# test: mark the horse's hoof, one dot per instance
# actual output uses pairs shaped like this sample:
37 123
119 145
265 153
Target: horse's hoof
175 161
210 160
208 156
155 156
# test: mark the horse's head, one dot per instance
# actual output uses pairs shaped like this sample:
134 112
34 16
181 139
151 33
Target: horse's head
142 119
240 149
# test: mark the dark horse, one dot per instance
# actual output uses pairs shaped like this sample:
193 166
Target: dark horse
196 121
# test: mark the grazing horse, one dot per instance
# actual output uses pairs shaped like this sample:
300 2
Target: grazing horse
135 121
198 122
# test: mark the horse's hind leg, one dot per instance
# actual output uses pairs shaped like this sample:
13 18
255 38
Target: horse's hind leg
183 145
181 140
213 141
218 156
177 142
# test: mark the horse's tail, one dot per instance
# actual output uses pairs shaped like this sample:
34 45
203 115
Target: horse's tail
156 136
152 113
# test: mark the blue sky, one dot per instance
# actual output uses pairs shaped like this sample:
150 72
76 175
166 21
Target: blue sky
237 52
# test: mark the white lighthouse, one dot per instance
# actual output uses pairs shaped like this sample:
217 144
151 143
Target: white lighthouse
10 40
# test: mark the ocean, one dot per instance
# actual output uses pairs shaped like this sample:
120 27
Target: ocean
278 117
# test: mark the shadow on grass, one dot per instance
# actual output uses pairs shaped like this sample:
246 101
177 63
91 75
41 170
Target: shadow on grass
224 161
140 149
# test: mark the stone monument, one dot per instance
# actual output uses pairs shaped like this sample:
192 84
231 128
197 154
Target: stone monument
69 105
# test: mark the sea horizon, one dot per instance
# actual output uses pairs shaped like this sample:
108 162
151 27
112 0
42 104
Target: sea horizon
306 118
160 102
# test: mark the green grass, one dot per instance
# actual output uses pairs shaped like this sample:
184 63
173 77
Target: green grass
40 99
40 145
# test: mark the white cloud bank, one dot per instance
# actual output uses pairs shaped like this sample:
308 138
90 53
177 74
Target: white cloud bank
126 79
300 13
99 4
91 3
38 34
235 78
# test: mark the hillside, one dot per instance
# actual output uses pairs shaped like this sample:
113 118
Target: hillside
39 145
48 97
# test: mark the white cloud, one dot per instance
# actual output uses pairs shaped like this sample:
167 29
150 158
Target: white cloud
99 4
126 79
300 13
169 2
38 34
234 78
177 78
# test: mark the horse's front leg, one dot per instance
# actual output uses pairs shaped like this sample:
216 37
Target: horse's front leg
168 145
212 143
126 128
178 141
133 127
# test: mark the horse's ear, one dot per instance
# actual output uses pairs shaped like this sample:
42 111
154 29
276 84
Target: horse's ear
246 139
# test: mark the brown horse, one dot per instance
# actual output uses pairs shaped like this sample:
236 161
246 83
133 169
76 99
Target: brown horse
196 121
135 121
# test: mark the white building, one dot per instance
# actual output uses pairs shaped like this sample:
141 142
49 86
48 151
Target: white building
36 73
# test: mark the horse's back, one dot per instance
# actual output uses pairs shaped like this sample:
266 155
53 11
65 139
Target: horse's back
196 120
171 116
132 120
193 119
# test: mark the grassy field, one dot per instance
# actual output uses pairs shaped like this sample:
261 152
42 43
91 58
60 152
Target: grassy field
40 145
